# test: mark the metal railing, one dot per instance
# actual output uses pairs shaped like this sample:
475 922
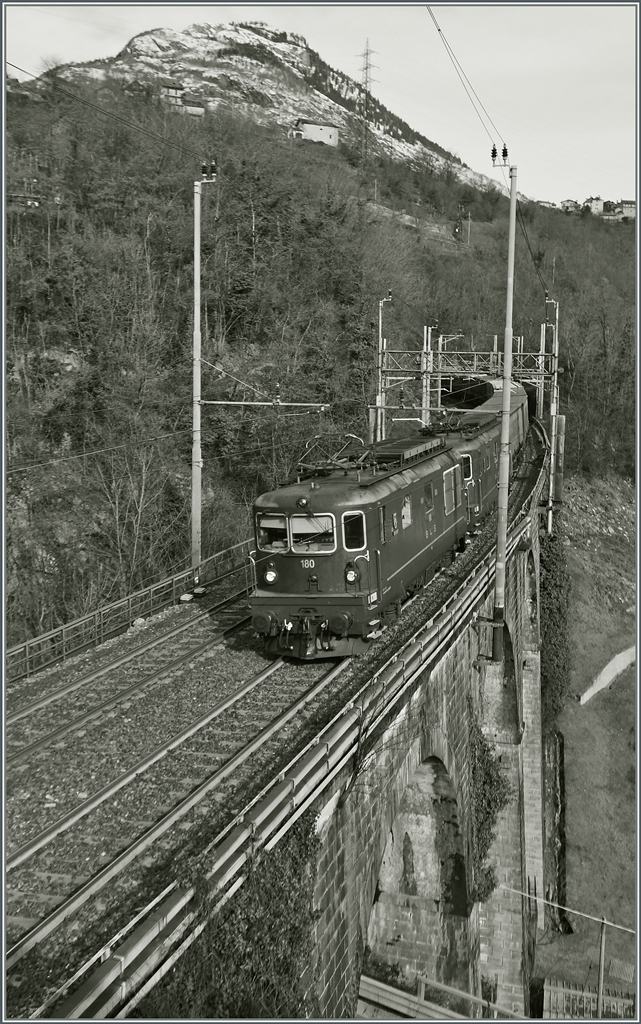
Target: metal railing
94 628
420 1008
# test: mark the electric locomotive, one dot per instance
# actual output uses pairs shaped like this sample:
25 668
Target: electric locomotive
342 546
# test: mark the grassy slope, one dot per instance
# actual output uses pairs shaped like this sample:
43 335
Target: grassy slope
600 740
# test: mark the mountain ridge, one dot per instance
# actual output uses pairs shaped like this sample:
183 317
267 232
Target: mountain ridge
271 76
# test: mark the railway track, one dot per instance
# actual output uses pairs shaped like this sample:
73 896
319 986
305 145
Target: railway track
35 724
111 839
210 769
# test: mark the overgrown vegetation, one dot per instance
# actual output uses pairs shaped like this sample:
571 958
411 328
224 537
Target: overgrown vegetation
556 648
254 958
491 792
100 320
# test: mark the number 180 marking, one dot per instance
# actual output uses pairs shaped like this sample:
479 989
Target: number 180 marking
307 563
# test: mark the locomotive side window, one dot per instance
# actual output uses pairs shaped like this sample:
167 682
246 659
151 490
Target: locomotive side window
313 533
382 524
429 498
451 489
467 466
496 451
271 532
406 511
353 531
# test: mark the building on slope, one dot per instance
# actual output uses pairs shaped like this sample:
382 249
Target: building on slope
316 131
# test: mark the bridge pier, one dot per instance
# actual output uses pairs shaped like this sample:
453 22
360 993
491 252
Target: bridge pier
381 881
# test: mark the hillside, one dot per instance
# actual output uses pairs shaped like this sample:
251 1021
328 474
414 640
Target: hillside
296 255
599 741
263 74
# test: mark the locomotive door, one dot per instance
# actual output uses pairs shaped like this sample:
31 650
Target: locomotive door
355 544
472 497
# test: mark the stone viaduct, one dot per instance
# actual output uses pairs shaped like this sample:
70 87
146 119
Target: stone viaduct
390 780
395 869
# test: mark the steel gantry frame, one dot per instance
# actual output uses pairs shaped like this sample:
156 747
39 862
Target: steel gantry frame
421 376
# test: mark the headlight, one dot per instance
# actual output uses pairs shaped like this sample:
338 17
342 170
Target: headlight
352 575
270 576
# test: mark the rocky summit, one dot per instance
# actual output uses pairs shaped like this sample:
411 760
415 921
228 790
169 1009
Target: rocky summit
272 77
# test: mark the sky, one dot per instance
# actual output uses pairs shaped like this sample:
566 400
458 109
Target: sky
558 82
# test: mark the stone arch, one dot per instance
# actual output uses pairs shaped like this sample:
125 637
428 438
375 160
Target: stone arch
419 916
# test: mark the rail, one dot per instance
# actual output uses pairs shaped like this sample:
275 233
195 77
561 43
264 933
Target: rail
135 967
94 628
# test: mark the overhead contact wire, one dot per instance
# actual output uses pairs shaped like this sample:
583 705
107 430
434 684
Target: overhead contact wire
461 74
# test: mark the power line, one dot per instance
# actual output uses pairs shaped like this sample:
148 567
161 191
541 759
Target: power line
527 242
115 117
461 74
95 451
590 917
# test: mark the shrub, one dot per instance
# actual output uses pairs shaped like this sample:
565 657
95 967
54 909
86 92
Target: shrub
491 792
555 639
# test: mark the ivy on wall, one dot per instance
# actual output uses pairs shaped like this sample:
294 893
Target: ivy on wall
555 636
491 792
254 958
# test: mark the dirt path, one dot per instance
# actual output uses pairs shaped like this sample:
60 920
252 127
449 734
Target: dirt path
612 671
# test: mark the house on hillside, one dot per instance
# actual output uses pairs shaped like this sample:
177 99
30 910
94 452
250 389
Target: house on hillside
628 207
106 92
570 205
136 90
190 105
316 131
171 92
594 204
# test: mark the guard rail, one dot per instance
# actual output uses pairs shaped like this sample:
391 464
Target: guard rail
93 629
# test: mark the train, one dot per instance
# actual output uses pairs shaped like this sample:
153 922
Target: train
341 547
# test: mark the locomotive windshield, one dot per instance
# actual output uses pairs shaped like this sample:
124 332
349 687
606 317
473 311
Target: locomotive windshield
271 532
313 533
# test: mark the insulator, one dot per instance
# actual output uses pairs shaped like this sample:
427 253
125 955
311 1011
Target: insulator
204 170
494 153
212 169
504 153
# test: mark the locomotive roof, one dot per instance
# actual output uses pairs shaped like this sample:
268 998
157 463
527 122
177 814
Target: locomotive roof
367 474
354 487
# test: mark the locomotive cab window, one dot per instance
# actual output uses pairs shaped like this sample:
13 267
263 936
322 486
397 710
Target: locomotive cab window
353 531
271 532
313 533
467 467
